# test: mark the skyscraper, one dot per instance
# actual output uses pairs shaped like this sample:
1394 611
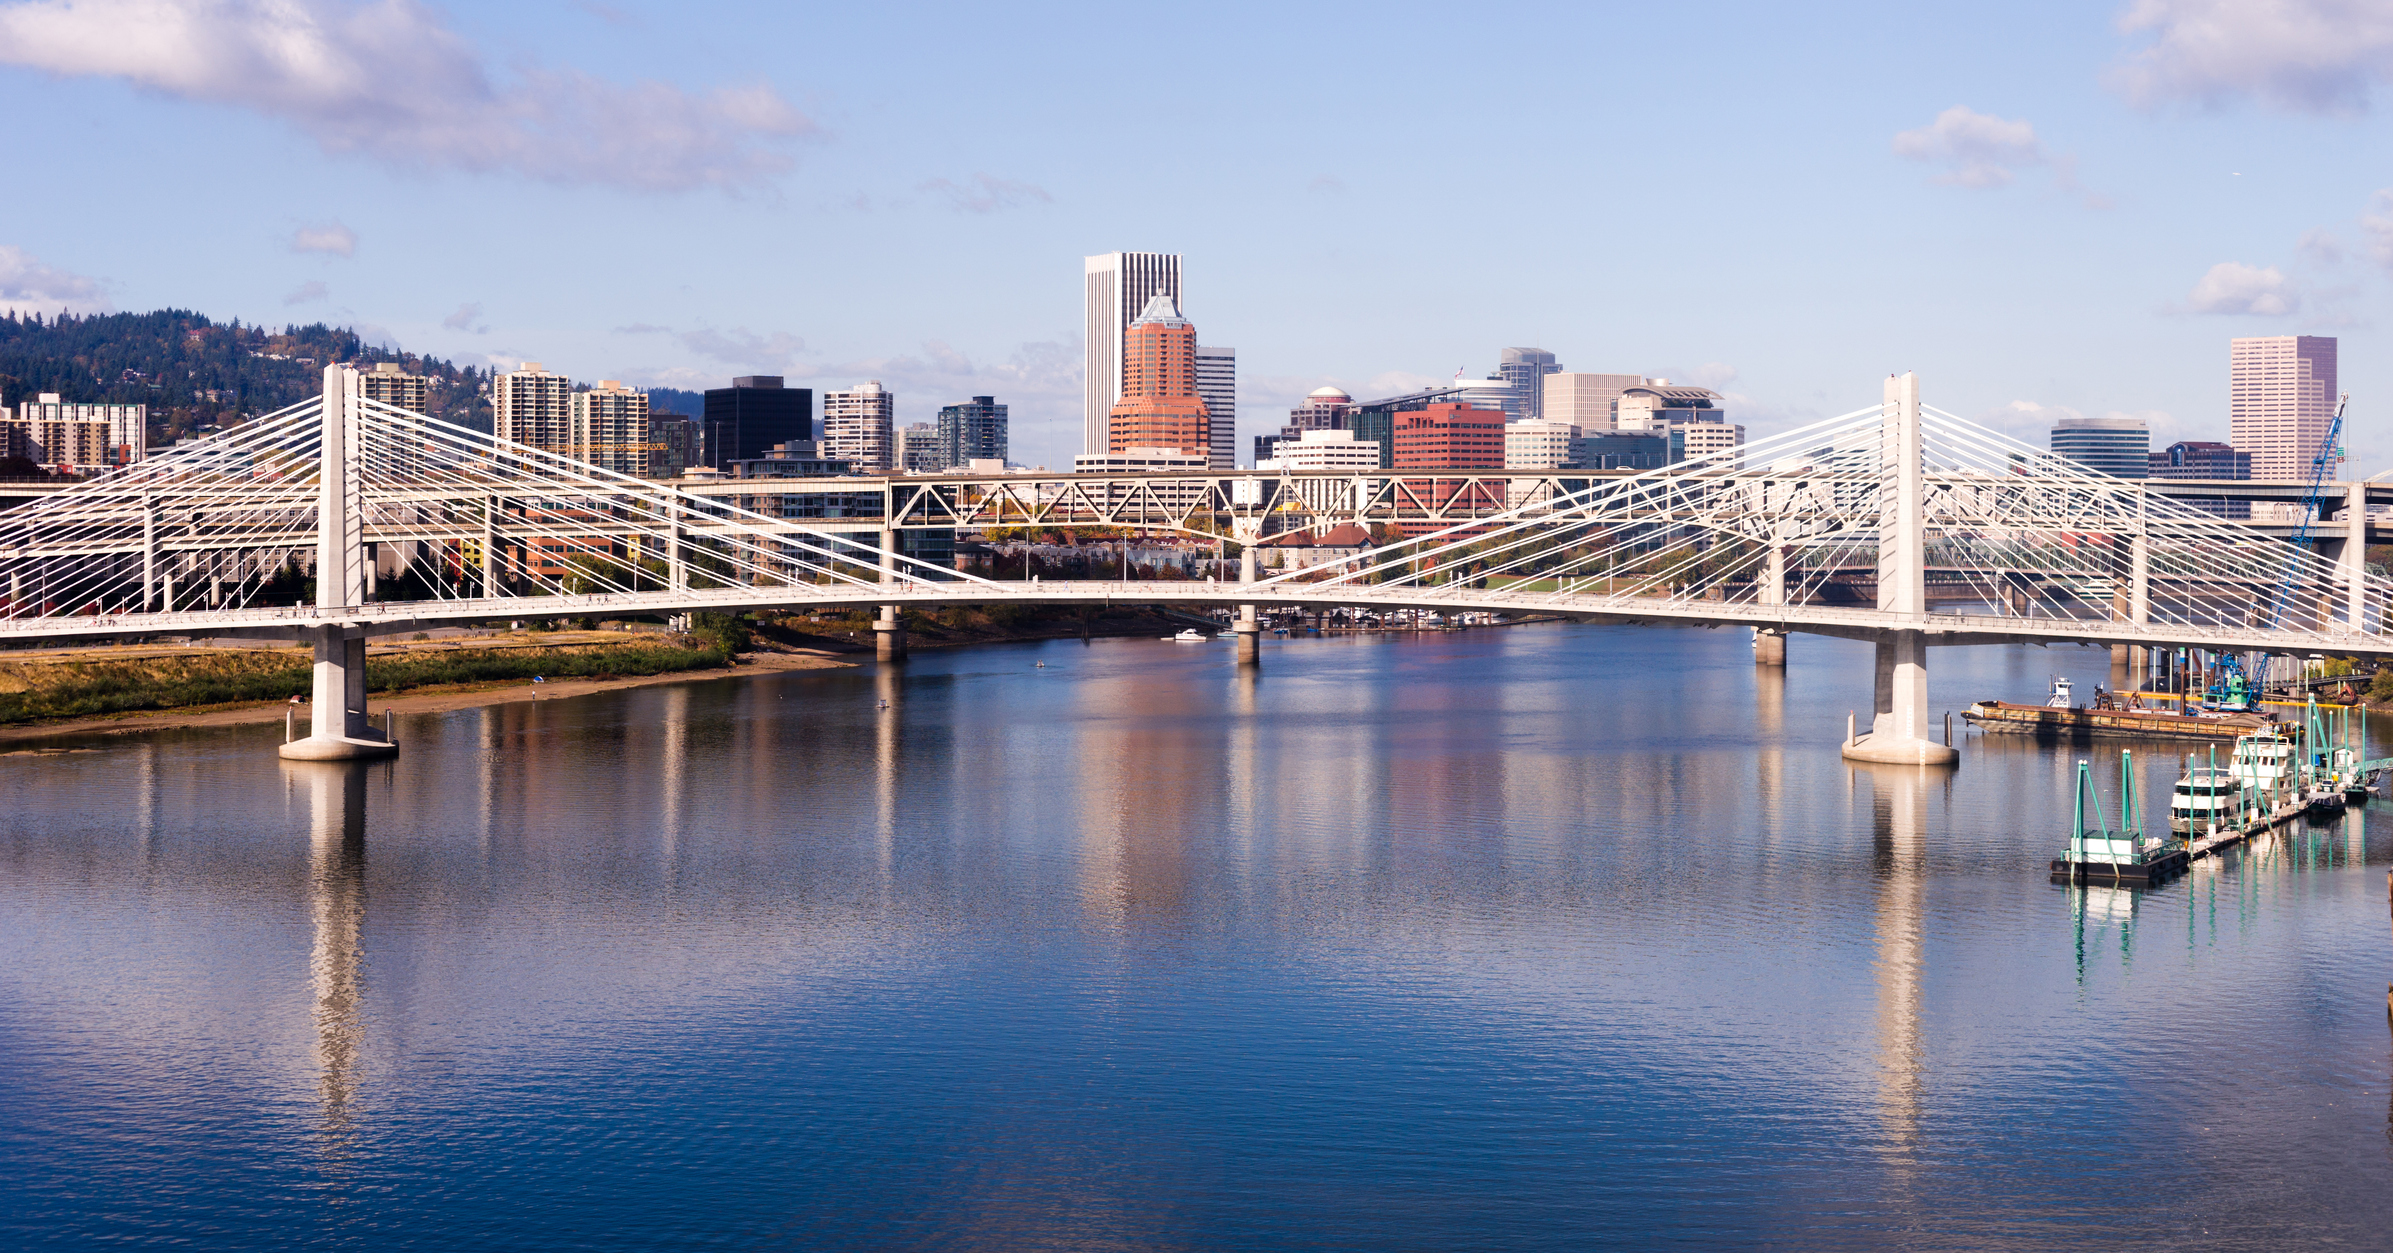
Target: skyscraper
975 431
753 414
2281 398
1160 407
1119 287
859 426
2119 447
532 406
611 430
1217 386
390 383
1586 401
1525 369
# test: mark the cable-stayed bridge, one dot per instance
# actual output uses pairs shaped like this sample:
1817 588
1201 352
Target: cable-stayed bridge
343 518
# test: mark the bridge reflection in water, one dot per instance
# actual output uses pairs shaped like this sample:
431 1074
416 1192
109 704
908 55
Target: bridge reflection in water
333 797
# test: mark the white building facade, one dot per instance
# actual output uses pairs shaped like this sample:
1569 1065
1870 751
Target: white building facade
1537 443
1118 286
1324 452
532 406
859 426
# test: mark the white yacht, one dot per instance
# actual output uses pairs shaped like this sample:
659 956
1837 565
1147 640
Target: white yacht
2206 800
2263 765
1188 635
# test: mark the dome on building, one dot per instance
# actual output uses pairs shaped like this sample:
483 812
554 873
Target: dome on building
1328 396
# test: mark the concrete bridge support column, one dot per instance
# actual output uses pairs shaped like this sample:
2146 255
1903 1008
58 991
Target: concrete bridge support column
889 633
337 727
2355 557
1247 631
1769 647
1899 730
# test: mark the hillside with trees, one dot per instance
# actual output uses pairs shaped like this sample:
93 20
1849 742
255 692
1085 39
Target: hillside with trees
195 373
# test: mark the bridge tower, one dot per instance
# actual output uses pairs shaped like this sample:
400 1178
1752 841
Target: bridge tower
337 725
1898 731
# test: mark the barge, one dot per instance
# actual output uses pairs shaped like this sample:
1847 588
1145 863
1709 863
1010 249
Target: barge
2062 719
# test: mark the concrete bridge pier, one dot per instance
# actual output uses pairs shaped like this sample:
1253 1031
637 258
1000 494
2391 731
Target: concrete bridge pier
1247 631
889 633
1769 647
337 726
1899 733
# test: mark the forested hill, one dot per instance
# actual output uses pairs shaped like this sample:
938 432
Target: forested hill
194 372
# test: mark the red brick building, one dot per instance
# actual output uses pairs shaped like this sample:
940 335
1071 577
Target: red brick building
1159 407
1450 437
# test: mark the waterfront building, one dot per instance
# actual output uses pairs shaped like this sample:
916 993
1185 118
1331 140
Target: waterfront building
1613 450
918 450
972 431
2202 459
610 430
753 414
1217 386
1586 401
67 436
1160 407
390 383
1323 452
1537 443
2119 447
1141 461
859 426
1118 287
532 406
1524 371
2281 399
1450 435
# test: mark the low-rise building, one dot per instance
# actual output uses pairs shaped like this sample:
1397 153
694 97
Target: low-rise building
1141 461
1323 452
1537 443
1344 547
1450 436
2203 459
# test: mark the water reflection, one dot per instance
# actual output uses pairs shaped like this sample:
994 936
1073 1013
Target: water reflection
1899 821
336 896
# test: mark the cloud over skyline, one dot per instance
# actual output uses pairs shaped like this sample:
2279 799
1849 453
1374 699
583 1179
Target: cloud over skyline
332 239
28 286
388 81
985 193
2232 287
2319 56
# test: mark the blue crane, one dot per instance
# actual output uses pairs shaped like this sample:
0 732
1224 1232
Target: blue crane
2330 451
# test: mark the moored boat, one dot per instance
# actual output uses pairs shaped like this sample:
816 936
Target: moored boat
2060 717
2206 800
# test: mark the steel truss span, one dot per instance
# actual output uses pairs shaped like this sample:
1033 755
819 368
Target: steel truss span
1815 530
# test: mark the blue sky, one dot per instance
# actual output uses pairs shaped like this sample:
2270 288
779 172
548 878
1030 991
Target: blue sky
2042 208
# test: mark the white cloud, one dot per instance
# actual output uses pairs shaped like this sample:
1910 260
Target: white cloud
985 193
386 80
28 286
2232 287
2320 246
463 320
2377 224
332 238
2320 56
1977 149
310 290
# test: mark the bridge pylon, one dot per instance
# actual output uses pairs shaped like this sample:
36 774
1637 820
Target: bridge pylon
338 728
1899 727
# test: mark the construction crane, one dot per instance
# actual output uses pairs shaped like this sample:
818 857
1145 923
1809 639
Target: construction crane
2330 452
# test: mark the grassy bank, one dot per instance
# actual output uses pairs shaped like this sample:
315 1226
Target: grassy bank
82 686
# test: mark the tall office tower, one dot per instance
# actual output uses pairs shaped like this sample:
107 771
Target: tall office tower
2281 398
532 406
918 449
2119 447
859 426
753 414
1120 285
1525 369
390 383
1217 386
974 431
1160 407
1586 401
611 430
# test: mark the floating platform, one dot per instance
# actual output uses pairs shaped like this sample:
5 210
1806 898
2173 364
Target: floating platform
2160 869
2053 723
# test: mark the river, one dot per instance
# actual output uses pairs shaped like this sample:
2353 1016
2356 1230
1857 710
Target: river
1533 938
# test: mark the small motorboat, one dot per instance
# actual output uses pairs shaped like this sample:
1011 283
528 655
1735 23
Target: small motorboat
1189 635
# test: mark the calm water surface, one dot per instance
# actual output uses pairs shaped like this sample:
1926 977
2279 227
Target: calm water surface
1534 938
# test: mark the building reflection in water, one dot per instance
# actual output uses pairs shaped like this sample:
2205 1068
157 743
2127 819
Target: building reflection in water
1898 821
336 892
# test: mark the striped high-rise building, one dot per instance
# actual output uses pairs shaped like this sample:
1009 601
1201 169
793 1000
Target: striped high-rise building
1217 385
1119 286
532 406
860 426
2281 399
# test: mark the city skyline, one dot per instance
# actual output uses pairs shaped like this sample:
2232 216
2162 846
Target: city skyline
2096 186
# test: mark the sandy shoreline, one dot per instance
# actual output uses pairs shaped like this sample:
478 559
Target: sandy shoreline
435 700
